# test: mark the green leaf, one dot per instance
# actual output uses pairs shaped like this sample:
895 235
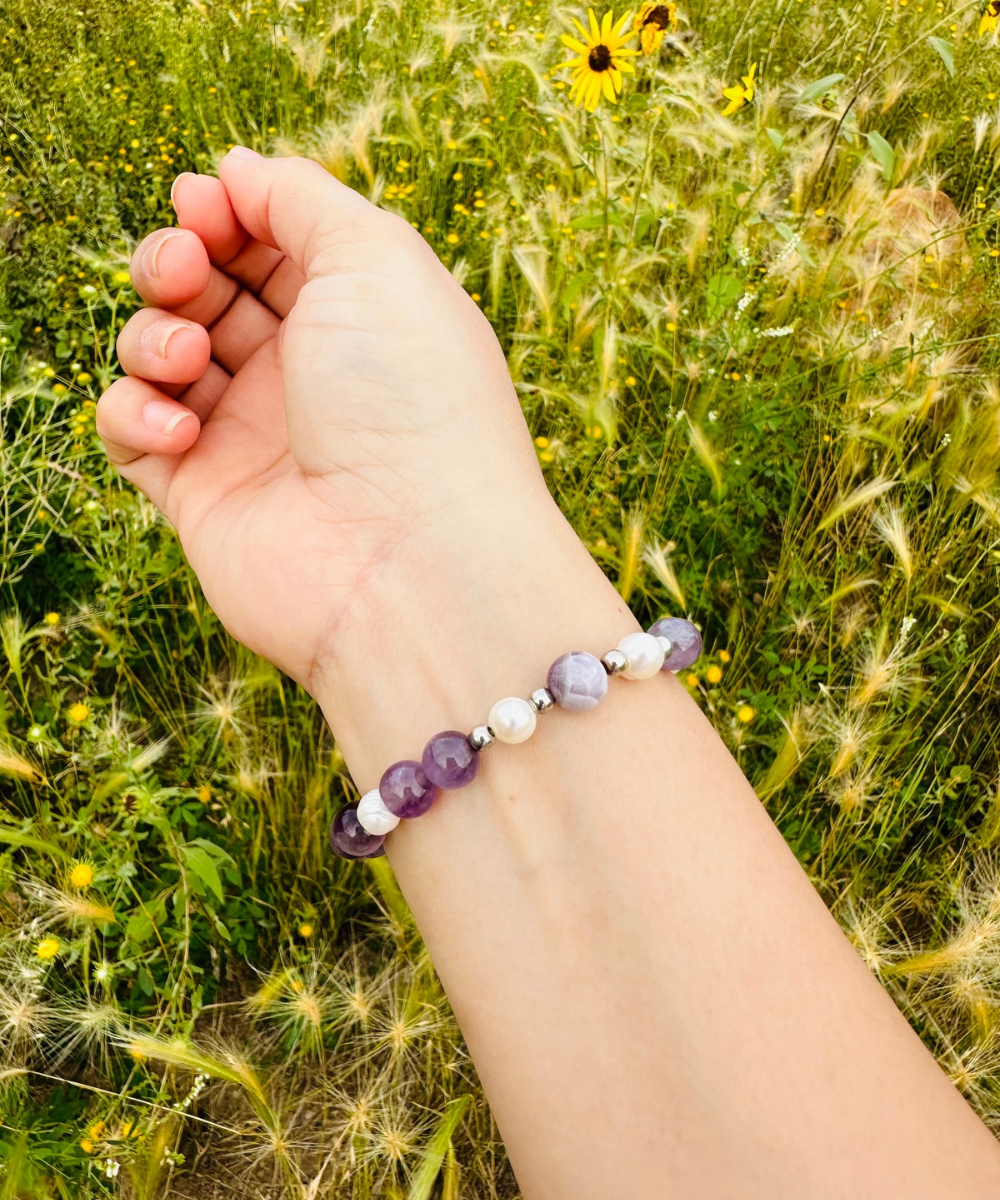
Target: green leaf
777 138
724 289
644 224
947 54
434 1152
596 220
14 837
201 865
139 928
883 153
818 88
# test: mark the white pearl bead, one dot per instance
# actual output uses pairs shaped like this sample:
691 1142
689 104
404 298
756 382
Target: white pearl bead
512 719
644 654
373 814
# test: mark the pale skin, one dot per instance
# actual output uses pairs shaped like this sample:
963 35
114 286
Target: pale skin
656 999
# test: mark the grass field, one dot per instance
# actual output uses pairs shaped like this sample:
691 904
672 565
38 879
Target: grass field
754 336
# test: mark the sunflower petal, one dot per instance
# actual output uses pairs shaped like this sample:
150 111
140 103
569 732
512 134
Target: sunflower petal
606 26
619 26
608 87
595 29
573 43
625 66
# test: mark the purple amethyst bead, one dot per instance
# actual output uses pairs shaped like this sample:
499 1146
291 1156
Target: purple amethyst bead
578 681
350 839
449 761
406 790
685 639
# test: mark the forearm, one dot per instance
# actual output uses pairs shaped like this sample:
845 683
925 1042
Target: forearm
656 999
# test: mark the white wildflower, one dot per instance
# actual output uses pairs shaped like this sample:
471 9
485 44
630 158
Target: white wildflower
745 301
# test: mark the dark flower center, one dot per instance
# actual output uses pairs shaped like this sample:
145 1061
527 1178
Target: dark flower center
600 58
659 16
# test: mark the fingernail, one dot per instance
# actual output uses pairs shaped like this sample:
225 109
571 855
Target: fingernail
149 261
173 186
162 417
155 337
242 152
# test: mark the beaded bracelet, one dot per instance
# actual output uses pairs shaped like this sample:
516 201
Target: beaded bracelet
576 681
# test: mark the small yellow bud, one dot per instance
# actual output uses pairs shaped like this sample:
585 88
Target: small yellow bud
48 948
82 875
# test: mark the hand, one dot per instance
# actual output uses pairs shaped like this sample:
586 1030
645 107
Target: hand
316 405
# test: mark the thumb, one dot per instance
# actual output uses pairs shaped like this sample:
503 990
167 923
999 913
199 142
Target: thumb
299 208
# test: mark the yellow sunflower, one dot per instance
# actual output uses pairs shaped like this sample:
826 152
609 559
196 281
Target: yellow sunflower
990 17
741 93
600 60
651 22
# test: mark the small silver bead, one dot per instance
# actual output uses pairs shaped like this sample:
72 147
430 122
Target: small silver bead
614 662
541 700
481 737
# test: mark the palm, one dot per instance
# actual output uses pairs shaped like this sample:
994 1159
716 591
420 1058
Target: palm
326 407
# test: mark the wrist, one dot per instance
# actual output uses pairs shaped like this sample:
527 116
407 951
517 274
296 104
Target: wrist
475 617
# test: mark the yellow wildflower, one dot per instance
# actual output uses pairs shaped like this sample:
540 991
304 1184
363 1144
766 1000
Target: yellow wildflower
740 93
86 1145
745 714
82 875
51 618
78 713
691 679
714 674
48 948
600 60
724 656
305 930
651 22
989 19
